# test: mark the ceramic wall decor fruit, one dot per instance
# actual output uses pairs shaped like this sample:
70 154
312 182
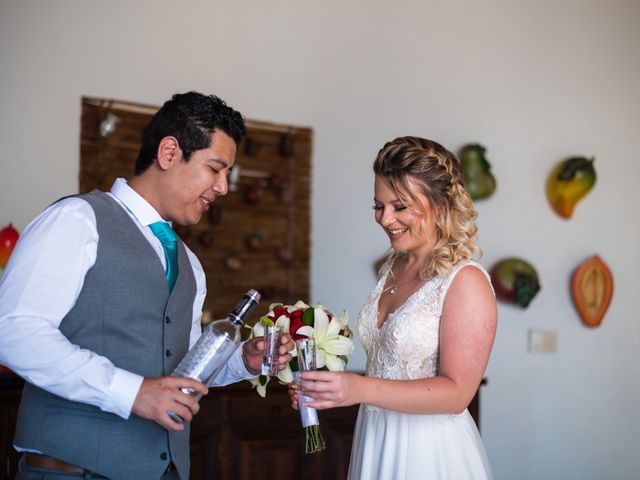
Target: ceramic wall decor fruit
287 144
252 147
8 238
478 180
592 290
206 239
233 263
254 241
569 181
515 281
253 193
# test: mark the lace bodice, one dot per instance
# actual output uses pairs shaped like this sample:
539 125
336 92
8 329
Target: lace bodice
406 347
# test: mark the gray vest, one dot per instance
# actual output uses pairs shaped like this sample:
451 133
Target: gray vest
125 313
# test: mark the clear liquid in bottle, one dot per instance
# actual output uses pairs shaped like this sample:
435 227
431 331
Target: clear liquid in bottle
214 348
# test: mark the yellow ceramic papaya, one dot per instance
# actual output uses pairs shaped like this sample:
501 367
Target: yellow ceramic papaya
569 182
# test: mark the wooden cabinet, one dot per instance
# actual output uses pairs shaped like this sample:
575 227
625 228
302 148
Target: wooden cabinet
237 435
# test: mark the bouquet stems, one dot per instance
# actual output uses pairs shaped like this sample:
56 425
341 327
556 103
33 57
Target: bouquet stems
313 439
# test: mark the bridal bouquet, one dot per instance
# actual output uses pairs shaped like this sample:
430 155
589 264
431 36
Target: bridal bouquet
333 343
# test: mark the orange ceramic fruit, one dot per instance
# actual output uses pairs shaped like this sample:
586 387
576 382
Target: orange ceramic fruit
592 289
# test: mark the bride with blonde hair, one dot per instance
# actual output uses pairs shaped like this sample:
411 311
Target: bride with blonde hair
427 328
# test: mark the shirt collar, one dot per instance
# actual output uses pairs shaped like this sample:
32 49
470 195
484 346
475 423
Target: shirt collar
135 203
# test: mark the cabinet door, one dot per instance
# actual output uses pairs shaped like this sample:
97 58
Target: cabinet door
266 455
265 436
9 403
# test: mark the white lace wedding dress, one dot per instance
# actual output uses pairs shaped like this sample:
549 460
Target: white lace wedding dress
389 445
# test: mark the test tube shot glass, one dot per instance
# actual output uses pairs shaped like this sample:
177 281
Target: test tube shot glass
306 350
272 336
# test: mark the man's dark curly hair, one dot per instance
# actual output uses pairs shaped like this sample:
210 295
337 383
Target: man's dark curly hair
191 118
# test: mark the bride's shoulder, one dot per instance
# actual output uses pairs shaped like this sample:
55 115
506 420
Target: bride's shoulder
468 273
469 265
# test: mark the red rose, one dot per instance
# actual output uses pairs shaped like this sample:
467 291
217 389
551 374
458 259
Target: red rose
296 323
278 312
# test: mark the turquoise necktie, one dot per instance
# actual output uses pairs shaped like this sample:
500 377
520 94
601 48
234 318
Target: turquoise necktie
167 237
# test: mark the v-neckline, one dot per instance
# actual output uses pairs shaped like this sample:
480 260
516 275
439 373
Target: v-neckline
383 281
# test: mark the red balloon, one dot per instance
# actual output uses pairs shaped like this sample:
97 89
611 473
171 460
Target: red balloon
8 239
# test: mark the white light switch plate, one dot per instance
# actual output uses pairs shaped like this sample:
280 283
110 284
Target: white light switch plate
542 341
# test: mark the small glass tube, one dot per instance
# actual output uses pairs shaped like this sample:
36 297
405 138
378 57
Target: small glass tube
270 355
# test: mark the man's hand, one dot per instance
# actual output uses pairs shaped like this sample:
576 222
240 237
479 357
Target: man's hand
160 395
252 353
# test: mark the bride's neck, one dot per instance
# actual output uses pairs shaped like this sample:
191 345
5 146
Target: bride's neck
410 264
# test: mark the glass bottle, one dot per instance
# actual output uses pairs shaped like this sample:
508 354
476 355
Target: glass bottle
218 342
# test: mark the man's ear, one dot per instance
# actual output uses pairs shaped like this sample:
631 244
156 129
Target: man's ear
168 152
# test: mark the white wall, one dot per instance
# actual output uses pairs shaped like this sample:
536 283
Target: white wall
533 81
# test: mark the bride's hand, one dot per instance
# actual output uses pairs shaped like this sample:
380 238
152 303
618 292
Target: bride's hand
330 389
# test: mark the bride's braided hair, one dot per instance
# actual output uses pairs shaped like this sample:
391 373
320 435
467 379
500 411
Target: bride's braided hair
439 174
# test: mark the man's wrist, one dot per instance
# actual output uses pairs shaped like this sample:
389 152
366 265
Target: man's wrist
122 393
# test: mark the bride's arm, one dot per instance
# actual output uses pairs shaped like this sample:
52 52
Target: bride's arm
467 331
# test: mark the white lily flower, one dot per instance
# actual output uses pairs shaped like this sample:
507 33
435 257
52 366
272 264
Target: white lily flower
344 323
285 375
260 388
329 343
273 306
343 319
299 305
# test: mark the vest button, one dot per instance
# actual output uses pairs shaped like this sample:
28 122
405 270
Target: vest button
167 319
163 456
168 353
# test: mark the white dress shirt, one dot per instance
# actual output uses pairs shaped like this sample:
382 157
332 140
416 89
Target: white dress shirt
40 286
